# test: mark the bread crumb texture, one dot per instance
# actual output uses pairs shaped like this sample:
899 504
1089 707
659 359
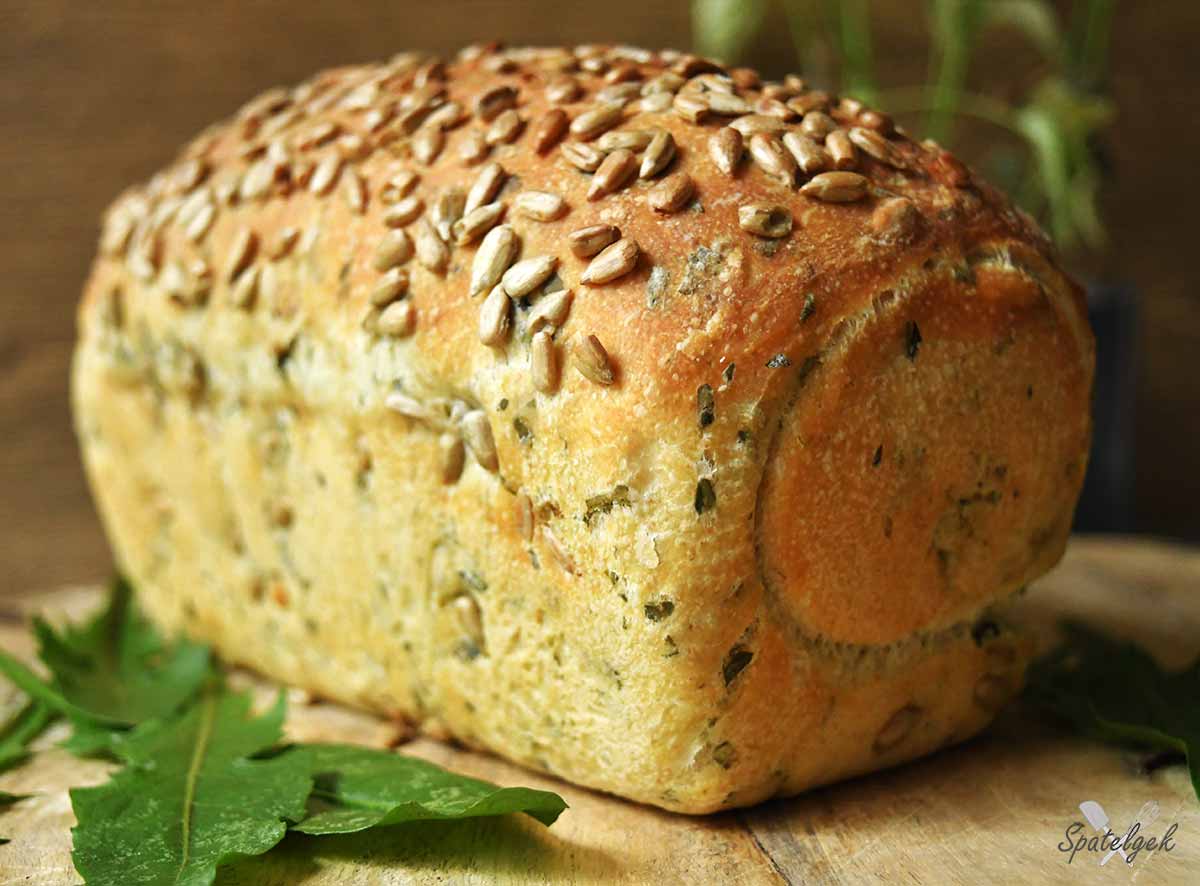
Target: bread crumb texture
676 432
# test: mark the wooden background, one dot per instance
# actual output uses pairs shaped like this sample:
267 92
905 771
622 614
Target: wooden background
96 94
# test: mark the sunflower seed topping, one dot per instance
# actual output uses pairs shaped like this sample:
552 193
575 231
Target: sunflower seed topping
588 241
493 102
549 129
540 205
596 121
592 360
614 173
473 147
427 144
752 123
397 319
634 140
563 90
476 223
391 286
875 145
765 220
495 254
836 187
505 128
690 107
241 253
284 243
817 124
325 174
725 149
841 149
452 456
494 316
543 362
586 158
550 310
810 157
431 250
659 153
527 275
404 212
672 193
245 288
487 183
774 159
354 191
395 248
477 432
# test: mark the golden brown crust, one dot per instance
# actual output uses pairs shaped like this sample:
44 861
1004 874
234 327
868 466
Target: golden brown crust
714 525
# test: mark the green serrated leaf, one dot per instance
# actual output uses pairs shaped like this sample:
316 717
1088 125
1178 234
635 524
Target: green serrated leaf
357 788
21 730
118 667
190 798
1115 692
723 28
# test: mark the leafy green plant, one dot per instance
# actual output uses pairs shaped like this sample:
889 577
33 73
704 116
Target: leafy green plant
1057 174
202 781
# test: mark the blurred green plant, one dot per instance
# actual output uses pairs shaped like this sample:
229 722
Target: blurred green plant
1056 174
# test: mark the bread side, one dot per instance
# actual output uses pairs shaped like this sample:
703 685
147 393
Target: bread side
750 543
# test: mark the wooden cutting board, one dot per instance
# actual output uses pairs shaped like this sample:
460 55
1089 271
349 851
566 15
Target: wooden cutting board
992 810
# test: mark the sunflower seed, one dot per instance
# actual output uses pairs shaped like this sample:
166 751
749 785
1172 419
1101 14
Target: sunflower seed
377 118
561 555
473 147
659 153
447 116
655 103
395 248
543 362
477 222
504 129
495 254
586 158
773 107
540 205
549 129
774 159
875 145
765 220
841 149
550 310
809 101
407 210
563 90
431 250
726 105
446 210
427 144
896 220
486 184
452 456
354 190
634 140
284 243
241 253
245 288
672 193
877 121
477 432
897 728
618 92
527 275
399 186
851 107
408 407
397 319
592 360
752 123
666 82
390 286
200 223
836 187
494 317
325 174
596 121
817 124
810 157
525 519
725 149
613 262
690 107
495 101
613 173
586 242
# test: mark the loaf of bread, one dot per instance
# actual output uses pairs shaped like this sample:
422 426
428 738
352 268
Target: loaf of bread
676 432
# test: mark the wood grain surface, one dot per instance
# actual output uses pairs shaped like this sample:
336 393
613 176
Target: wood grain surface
989 811
94 96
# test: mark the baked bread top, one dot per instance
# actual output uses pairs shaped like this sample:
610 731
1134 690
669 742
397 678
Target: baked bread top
686 246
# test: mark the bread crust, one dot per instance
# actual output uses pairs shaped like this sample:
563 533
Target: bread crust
754 544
